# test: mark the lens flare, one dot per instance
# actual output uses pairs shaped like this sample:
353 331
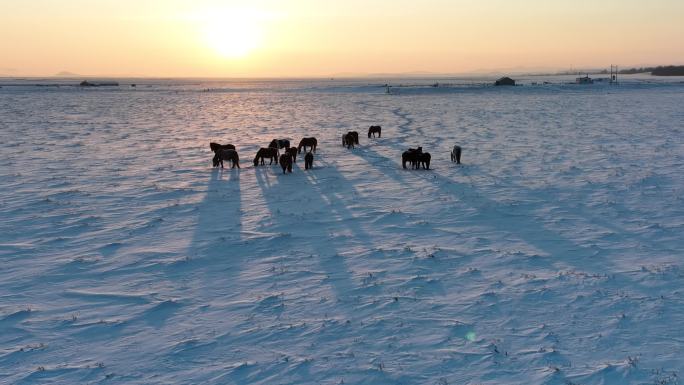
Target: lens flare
470 336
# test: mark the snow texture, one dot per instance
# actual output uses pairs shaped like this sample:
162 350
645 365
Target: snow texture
552 255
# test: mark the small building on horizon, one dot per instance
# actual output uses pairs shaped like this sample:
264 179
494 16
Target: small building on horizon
584 80
505 81
105 83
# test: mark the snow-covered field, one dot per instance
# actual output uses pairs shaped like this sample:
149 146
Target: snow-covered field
553 255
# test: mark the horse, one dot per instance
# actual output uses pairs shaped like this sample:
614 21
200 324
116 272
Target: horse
354 135
263 152
215 147
411 155
424 159
308 161
293 153
456 154
231 155
279 143
348 140
307 142
373 129
286 162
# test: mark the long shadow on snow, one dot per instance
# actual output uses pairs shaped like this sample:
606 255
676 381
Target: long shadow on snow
217 250
551 240
331 259
521 226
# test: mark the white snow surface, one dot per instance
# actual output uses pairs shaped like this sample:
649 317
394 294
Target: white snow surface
552 255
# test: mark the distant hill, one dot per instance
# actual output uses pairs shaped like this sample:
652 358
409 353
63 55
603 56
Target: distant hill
656 71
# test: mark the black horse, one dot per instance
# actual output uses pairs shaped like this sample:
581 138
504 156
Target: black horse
286 163
308 161
348 140
354 135
231 155
279 143
456 154
374 129
263 152
424 159
215 147
412 156
307 142
293 153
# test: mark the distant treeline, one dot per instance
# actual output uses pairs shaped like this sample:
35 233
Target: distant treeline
657 71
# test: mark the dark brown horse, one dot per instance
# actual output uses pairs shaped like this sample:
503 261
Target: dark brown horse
456 154
293 153
308 161
215 147
424 159
231 155
307 142
411 155
279 143
355 135
348 140
372 130
286 163
263 153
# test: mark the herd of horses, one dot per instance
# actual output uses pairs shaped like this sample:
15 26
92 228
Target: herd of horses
227 152
415 157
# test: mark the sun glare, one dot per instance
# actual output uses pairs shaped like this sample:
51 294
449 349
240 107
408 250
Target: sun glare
232 34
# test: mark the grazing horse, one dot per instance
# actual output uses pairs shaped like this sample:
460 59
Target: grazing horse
231 155
279 143
456 154
263 152
307 142
215 147
308 161
411 155
348 140
424 159
293 153
286 163
373 129
354 135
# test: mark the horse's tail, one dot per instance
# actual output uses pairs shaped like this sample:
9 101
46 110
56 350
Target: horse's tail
256 160
299 148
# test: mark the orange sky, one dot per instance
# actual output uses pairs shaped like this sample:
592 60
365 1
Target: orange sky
270 38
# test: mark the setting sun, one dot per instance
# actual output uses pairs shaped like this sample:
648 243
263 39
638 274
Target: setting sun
231 34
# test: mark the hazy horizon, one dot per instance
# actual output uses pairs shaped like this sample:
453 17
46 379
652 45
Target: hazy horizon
305 38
